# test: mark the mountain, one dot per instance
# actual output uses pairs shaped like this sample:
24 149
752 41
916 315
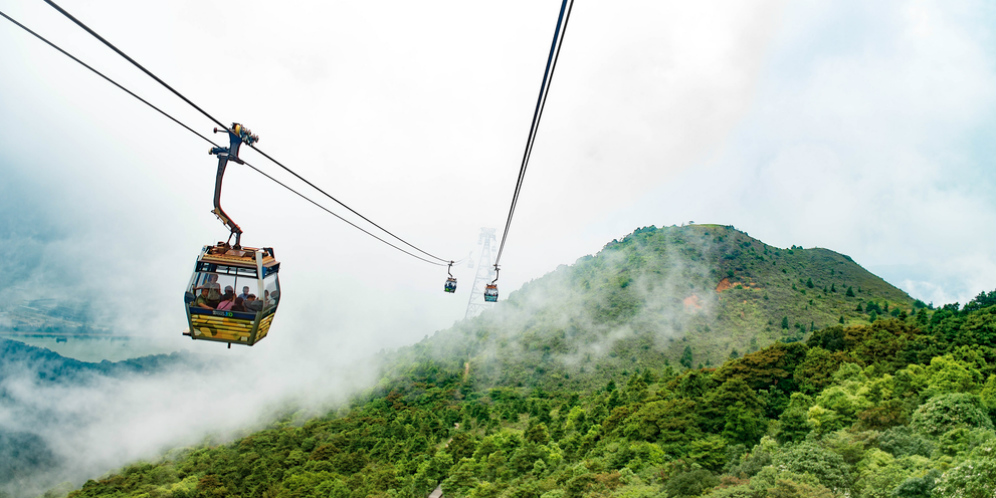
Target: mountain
691 295
895 408
570 389
18 359
28 416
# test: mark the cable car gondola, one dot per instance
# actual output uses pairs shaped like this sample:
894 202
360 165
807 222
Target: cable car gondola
491 290
450 285
234 291
243 312
491 293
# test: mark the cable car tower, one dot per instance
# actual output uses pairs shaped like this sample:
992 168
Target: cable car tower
485 274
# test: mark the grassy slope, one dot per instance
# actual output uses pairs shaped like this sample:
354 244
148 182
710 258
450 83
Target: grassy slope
640 301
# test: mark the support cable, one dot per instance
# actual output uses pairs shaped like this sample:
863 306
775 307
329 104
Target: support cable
136 64
323 208
337 201
109 80
551 66
219 123
206 139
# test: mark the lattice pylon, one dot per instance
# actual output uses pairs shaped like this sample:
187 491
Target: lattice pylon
484 275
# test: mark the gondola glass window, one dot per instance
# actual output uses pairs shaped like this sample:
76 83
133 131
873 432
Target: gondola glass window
233 294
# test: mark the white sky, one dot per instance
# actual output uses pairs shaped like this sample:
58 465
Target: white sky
861 128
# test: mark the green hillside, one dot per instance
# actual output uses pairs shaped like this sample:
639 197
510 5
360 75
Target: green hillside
578 386
690 296
898 408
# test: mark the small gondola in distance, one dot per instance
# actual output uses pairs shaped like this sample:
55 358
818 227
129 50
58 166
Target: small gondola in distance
451 281
491 293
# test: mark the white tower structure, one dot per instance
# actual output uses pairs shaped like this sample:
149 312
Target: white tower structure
485 273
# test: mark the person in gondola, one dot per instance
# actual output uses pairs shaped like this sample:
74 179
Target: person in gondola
227 300
214 290
239 305
253 304
202 300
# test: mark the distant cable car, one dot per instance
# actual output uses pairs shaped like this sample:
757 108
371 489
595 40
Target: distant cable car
450 285
491 290
491 293
234 291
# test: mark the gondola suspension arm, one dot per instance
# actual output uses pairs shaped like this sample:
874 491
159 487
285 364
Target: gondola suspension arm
237 135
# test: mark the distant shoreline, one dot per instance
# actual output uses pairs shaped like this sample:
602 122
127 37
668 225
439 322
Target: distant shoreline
44 334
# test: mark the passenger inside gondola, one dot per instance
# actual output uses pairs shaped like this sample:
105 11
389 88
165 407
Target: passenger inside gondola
214 290
227 299
202 300
253 304
271 293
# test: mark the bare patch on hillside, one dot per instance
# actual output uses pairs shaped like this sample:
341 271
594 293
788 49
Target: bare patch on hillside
692 304
725 284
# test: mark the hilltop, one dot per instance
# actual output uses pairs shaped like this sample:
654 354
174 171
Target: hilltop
691 296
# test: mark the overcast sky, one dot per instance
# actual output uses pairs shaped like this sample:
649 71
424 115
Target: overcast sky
863 128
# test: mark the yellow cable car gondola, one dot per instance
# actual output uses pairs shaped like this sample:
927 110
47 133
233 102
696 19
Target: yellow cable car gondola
234 291
233 294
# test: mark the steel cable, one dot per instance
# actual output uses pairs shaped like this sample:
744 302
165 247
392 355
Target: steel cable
208 140
551 66
222 125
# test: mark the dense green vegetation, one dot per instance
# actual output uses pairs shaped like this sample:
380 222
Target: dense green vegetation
897 408
678 362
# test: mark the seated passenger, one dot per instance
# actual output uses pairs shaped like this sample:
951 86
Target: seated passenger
238 305
269 298
202 299
253 304
227 299
229 293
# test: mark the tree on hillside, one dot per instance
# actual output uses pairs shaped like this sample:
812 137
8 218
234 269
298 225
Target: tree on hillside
808 457
983 300
785 323
809 283
686 357
850 292
950 411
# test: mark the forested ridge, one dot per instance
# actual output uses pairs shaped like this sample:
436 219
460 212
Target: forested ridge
898 408
600 379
